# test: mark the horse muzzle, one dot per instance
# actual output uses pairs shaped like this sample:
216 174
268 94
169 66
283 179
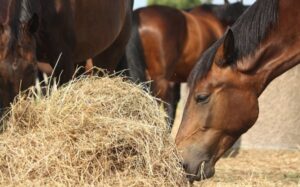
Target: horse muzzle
202 171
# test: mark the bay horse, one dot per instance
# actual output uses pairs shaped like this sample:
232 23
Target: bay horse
228 79
33 31
166 43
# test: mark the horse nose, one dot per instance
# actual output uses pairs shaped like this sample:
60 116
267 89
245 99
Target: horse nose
190 177
184 165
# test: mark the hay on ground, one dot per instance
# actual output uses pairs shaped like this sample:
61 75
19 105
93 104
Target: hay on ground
94 131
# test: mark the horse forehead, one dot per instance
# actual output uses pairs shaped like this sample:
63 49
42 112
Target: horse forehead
213 76
217 77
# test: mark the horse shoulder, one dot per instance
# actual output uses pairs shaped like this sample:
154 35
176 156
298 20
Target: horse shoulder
162 31
194 43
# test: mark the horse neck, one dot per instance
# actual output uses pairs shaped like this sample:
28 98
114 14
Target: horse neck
274 58
280 50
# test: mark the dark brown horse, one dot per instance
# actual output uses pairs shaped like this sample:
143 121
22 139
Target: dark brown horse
34 31
167 42
227 81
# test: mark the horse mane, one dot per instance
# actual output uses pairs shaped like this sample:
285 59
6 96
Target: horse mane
249 31
226 14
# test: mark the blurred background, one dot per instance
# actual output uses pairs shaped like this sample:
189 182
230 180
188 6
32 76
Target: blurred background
183 3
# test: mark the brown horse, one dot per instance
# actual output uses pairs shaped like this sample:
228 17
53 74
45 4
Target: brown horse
36 30
227 81
167 42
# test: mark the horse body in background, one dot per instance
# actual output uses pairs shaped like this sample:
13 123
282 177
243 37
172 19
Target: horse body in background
230 76
33 31
166 43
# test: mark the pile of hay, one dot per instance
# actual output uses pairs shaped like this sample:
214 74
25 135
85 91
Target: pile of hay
94 131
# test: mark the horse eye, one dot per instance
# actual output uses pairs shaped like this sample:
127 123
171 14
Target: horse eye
202 98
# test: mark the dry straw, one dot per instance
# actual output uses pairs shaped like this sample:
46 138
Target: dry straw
93 131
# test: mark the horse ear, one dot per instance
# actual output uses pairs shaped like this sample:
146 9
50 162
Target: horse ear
225 53
226 2
33 24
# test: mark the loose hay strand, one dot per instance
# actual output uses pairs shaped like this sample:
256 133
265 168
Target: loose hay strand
92 131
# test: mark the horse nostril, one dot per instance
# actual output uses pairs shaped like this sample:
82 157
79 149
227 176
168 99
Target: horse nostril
184 165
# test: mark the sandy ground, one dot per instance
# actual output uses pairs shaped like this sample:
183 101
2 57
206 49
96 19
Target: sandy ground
257 168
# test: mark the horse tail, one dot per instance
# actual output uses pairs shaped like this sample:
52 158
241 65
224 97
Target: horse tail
135 53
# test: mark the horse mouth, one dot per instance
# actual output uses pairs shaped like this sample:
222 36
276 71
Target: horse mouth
204 171
201 171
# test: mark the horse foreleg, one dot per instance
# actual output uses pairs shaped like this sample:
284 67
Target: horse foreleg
84 68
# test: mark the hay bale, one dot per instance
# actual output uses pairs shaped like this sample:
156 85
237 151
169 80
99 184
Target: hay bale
95 131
